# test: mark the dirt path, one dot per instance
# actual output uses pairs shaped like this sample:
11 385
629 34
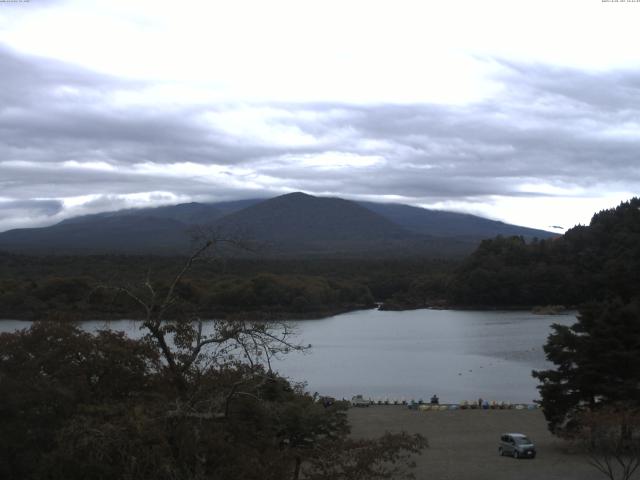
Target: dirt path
463 444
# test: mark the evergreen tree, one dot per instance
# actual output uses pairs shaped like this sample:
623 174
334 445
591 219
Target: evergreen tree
597 363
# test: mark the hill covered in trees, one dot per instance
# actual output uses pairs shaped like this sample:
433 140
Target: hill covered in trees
291 225
589 262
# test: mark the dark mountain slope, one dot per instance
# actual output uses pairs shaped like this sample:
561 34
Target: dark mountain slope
291 224
189 213
297 217
129 234
159 230
449 224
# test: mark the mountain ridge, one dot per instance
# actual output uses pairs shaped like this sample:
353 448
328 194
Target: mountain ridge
294 223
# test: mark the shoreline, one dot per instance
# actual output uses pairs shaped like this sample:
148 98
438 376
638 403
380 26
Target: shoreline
254 315
249 315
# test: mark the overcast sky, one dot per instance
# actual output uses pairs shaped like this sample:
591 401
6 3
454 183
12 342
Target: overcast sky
523 111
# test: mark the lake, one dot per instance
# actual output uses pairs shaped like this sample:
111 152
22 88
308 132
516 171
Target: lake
458 355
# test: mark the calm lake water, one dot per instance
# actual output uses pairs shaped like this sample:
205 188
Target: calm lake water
458 355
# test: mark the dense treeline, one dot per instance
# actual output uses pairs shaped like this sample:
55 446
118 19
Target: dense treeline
72 287
591 394
588 262
272 295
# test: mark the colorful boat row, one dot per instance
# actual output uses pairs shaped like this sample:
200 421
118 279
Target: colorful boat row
455 406
360 401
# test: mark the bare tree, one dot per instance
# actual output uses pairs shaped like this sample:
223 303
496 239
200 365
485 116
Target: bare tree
611 438
186 342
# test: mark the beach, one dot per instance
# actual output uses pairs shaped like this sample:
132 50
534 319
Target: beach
463 444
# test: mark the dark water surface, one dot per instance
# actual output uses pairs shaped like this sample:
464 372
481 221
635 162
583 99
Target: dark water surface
458 355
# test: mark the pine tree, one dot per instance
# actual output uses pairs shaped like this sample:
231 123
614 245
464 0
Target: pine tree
597 363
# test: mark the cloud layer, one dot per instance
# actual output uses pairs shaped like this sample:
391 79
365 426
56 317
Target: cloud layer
73 141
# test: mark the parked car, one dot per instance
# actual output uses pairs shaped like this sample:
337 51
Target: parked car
359 401
517 445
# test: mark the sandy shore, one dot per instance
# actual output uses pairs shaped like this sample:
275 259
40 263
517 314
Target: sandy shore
463 444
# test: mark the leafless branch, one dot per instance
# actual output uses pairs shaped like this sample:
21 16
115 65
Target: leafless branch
183 341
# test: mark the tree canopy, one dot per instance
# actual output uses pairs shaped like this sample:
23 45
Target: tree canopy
597 363
591 262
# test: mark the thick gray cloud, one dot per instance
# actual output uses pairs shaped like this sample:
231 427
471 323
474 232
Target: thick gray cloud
17 213
66 113
41 207
65 132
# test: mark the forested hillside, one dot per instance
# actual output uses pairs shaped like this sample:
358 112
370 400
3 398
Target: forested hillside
32 287
291 225
587 263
